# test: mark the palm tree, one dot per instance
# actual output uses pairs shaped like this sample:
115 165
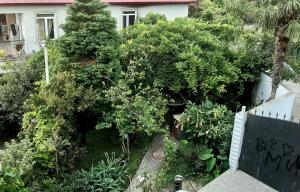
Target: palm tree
282 17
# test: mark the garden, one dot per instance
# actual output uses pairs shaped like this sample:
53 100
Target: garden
110 93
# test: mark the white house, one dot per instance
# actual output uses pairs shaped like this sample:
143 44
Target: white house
25 24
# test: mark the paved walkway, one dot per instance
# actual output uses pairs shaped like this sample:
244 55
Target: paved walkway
236 181
149 166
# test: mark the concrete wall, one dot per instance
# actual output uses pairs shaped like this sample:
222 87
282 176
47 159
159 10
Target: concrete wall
280 108
28 20
262 90
171 11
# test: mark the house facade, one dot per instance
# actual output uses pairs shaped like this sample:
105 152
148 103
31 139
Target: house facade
26 24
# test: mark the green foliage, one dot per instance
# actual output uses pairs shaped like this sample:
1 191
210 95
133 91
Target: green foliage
49 124
212 11
106 176
19 156
293 59
137 108
152 19
243 9
209 124
255 54
15 87
10 181
205 152
275 13
182 55
90 32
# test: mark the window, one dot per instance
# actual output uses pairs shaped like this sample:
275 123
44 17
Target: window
129 18
45 26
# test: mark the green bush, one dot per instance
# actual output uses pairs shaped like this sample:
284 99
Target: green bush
136 108
15 87
182 56
20 157
49 123
106 176
152 19
204 153
10 181
208 124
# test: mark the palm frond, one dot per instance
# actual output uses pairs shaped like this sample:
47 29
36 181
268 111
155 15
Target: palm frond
293 31
290 7
269 16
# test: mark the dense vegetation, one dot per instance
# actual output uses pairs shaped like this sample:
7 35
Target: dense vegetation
126 86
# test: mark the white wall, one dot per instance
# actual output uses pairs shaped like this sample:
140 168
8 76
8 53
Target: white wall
262 90
280 108
29 27
281 105
28 19
171 11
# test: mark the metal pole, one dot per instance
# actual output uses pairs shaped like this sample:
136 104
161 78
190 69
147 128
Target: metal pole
46 64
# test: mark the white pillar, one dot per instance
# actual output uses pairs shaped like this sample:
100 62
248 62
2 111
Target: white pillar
46 64
237 139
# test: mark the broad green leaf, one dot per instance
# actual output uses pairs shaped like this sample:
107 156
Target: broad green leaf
222 157
205 154
211 164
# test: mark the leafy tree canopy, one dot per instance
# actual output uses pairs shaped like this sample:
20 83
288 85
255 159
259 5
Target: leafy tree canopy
182 55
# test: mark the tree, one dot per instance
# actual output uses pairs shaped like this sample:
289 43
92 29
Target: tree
90 32
282 17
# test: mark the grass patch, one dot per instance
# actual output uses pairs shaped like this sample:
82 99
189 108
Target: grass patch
99 142
108 140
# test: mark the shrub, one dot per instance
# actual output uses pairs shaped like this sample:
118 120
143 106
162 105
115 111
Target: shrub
10 181
182 56
137 108
49 123
152 19
19 156
208 124
15 87
107 176
204 153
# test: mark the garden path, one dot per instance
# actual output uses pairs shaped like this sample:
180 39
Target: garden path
149 166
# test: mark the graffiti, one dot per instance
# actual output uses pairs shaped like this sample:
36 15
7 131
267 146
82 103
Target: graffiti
279 155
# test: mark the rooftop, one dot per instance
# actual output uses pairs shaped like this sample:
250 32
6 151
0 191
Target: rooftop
28 2
31 2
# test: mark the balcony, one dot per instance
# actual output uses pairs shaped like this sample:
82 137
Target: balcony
12 49
11 36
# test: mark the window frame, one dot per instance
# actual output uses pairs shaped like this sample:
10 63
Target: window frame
45 18
135 14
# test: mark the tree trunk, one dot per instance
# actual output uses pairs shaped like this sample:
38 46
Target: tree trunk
281 47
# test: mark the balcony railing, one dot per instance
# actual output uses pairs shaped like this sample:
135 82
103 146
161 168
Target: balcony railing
12 49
